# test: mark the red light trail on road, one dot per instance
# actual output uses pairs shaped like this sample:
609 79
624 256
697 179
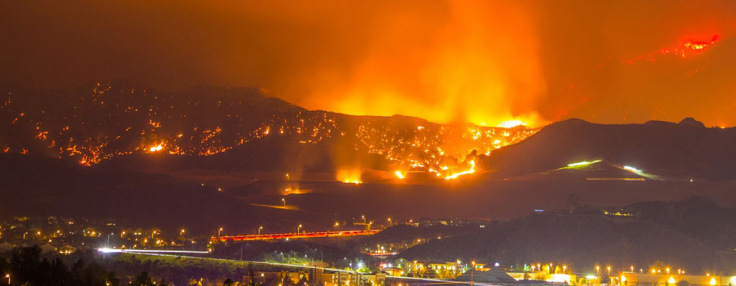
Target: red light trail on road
273 236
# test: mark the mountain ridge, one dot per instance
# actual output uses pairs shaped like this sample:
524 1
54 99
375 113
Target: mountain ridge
679 151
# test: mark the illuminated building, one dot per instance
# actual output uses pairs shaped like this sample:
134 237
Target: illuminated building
671 279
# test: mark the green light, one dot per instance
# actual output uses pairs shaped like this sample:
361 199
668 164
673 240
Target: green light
632 169
582 164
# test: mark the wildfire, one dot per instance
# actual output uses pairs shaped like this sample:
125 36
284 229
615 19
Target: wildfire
697 46
687 48
408 145
470 171
511 123
156 148
349 176
399 175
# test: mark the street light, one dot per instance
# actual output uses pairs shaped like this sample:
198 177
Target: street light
608 268
259 230
283 200
219 231
298 229
564 269
7 275
597 270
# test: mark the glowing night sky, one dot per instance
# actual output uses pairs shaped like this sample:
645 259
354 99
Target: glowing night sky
483 62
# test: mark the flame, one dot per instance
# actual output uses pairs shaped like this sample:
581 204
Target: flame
512 123
461 75
701 45
469 171
349 176
156 148
399 175
687 48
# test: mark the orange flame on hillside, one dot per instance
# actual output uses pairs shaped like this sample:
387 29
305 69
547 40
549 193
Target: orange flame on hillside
349 176
156 148
697 46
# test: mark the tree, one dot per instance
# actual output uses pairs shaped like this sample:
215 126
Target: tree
143 279
228 282
574 201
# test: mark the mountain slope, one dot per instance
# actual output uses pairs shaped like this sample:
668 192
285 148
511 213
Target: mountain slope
679 151
108 120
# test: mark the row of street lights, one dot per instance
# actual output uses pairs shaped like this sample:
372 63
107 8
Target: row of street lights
299 227
260 228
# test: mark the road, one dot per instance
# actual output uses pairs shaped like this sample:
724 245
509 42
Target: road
300 235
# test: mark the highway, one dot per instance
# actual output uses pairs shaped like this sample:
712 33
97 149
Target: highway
247 237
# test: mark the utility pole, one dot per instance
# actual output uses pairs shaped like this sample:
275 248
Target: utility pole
472 272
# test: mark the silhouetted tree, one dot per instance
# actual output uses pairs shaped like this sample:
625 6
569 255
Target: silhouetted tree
574 201
28 268
143 279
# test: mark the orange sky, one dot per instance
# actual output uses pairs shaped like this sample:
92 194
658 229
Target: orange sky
483 62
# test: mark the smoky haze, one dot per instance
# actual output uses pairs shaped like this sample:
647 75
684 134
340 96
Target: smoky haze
483 62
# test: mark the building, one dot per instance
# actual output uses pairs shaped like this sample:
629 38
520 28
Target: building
665 279
353 279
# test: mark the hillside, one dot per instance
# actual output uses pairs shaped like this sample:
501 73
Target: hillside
682 151
694 233
49 187
105 121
